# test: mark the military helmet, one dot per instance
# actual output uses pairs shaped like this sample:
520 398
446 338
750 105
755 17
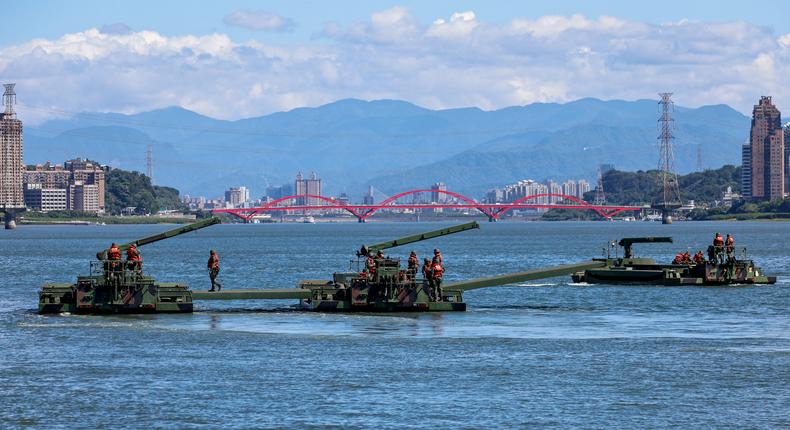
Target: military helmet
436 251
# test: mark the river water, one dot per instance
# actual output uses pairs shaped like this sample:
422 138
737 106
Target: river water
542 354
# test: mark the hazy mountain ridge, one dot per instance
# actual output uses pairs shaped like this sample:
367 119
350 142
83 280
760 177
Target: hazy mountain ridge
394 145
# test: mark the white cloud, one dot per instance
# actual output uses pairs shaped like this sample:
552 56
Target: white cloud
259 20
459 60
461 24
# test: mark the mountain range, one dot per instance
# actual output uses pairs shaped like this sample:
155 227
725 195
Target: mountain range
392 145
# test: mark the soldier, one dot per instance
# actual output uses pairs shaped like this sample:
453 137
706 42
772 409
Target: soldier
436 273
110 260
711 253
437 256
370 267
718 245
114 253
426 274
213 270
413 265
729 246
699 258
134 260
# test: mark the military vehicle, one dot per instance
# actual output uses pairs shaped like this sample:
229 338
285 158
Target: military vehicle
720 268
115 286
389 287
119 287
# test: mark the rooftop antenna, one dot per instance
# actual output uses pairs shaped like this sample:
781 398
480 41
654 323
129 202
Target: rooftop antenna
9 98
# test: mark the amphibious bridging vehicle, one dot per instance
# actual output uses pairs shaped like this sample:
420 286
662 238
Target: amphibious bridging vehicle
117 287
632 270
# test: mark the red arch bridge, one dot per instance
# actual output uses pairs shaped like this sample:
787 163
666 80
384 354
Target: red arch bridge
492 210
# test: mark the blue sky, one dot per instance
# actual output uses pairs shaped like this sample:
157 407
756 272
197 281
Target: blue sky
52 18
262 57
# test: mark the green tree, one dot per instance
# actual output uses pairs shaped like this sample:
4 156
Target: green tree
133 189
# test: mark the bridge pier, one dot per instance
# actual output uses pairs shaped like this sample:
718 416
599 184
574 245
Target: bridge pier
492 219
10 218
666 217
361 220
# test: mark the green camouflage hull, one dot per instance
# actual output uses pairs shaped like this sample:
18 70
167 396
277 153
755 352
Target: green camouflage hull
92 296
643 271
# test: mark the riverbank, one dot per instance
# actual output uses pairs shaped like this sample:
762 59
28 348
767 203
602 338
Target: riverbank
102 220
749 216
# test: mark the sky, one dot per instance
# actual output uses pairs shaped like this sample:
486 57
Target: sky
237 59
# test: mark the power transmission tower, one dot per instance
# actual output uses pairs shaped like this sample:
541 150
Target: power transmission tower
149 163
670 195
600 197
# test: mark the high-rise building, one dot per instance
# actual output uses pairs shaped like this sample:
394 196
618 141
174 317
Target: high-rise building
746 171
72 177
786 133
11 167
569 188
554 188
84 197
436 195
307 186
237 196
45 199
495 195
368 199
584 188
767 151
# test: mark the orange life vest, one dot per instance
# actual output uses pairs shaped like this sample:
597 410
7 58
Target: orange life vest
718 241
132 254
437 271
213 261
371 265
114 253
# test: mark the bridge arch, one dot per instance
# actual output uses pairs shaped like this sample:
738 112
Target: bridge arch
384 203
583 204
248 214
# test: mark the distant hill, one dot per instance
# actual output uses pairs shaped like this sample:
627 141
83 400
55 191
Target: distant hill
390 144
643 187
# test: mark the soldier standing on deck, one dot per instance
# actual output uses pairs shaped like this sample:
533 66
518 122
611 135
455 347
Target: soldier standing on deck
718 245
426 274
729 246
213 270
437 270
134 260
436 273
413 265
